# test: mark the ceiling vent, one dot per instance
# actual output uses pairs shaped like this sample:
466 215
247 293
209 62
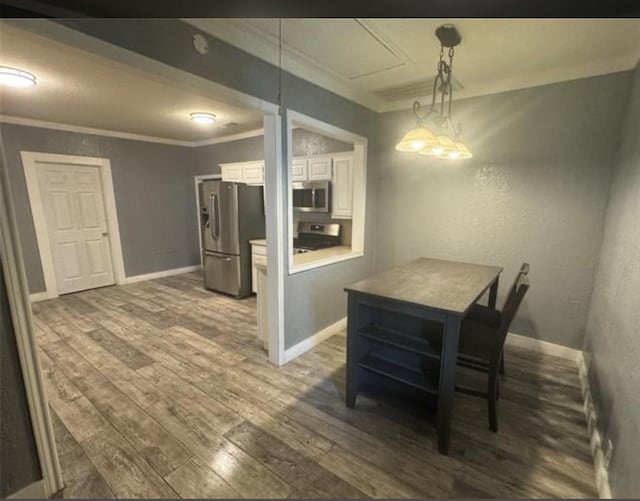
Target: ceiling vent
224 125
413 90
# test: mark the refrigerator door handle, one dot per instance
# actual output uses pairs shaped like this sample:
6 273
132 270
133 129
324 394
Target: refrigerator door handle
215 227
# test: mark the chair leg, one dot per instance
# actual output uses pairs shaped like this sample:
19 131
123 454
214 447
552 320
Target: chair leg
502 364
492 394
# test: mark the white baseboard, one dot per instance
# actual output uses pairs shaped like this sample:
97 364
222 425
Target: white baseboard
544 347
160 274
31 491
602 476
39 296
305 345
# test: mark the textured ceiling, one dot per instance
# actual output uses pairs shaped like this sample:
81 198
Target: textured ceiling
81 88
361 58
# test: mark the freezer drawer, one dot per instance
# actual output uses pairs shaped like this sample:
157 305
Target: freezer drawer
222 273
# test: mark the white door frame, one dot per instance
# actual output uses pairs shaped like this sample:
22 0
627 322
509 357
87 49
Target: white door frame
18 295
296 119
198 181
30 161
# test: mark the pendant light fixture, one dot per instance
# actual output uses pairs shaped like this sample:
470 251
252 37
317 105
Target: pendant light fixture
434 133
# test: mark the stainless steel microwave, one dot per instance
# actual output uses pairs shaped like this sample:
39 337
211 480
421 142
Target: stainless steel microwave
311 196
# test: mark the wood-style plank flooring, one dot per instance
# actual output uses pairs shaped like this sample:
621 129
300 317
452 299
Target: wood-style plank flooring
161 389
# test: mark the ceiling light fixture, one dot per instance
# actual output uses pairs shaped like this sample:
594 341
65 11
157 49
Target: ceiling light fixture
442 138
14 77
203 118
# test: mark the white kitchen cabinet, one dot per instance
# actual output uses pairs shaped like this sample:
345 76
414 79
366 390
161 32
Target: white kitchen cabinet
253 173
258 252
342 187
231 173
319 169
262 303
299 169
243 172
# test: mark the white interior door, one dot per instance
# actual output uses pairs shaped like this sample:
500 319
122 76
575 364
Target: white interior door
77 226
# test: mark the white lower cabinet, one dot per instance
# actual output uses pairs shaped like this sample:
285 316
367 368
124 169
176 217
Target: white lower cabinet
342 187
258 252
262 301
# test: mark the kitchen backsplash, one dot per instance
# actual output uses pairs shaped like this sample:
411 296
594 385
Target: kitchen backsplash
307 143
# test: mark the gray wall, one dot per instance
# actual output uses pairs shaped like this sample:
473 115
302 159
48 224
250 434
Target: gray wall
154 192
313 299
306 142
208 158
153 184
535 191
19 464
612 338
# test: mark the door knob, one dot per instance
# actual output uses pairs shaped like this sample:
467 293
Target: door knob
105 233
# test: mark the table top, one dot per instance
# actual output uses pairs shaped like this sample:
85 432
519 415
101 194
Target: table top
450 286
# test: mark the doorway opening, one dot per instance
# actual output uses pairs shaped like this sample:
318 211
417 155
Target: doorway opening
125 174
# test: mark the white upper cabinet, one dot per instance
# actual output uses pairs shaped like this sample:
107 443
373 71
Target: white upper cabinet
231 173
319 169
253 172
243 172
299 169
342 189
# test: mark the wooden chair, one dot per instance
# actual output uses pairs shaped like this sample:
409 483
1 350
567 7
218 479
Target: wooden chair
481 346
491 317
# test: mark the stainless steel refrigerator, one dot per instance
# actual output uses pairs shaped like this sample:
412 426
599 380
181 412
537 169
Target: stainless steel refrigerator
231 214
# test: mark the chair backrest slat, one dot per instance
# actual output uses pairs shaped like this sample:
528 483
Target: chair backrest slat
524 270
520 288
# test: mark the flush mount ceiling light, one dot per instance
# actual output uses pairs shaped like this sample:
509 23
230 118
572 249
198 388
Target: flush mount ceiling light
14 77
441 138
203 118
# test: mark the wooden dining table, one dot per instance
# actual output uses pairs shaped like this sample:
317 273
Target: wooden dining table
386 326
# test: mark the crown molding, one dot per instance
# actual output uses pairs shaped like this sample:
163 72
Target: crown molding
30 122
564 74
229 138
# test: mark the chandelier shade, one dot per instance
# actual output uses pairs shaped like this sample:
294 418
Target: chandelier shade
463 151
416 139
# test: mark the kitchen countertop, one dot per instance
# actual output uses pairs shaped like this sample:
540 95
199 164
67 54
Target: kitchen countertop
320 255
312 256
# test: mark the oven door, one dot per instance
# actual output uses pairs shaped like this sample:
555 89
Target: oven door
311 196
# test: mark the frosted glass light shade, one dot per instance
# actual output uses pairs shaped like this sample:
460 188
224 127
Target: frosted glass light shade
203 118
463 151
416 139
445 147
14 77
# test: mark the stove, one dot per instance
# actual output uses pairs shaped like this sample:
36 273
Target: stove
315 236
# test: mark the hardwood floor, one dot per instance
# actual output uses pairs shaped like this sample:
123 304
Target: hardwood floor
161 389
